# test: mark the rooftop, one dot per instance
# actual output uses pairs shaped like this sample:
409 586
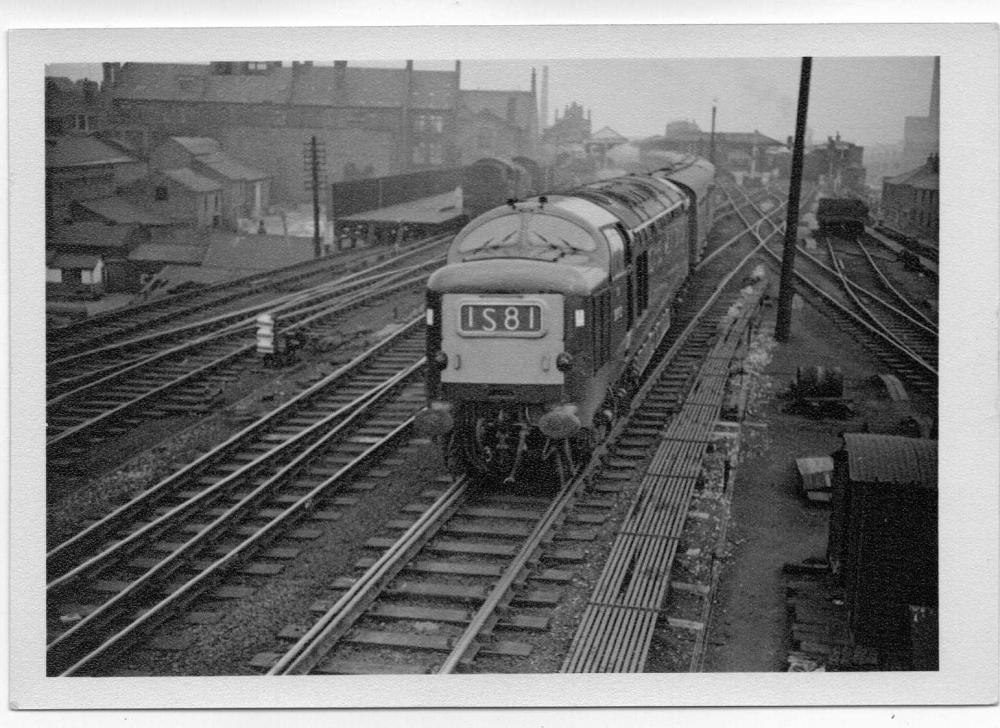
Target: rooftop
301 85
90 235
82 151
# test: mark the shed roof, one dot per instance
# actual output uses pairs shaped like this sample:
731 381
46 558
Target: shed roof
90 235
82 151
607 134
922 177
166 253
188 178
256 252
121 211
225 166
198 145
75 261
891 459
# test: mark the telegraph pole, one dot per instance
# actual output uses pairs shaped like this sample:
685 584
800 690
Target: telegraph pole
711 139
315 159
786 291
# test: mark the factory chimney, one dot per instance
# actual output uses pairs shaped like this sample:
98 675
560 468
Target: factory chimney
935 110
545 98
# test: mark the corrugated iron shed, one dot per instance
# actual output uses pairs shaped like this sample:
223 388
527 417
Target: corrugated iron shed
891 459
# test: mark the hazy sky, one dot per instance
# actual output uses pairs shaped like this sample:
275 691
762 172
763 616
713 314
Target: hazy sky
865 99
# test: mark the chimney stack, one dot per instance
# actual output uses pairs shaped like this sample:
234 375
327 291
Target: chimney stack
545 98
339 76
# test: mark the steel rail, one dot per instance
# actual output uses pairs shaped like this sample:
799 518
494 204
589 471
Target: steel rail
306 653
58 559
59 651
326 311
919 362
252 283
244 318
930 324
878 323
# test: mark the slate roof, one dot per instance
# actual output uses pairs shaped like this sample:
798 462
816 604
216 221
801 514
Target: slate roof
198 145
306 85
921 178
82 151
495 102
256 252
224 165
121 212
74 261
90 235
162 252
188 178
606 133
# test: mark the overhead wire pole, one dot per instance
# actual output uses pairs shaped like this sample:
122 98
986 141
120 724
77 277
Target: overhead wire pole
783 324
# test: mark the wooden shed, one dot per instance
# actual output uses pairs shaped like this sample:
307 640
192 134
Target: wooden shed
884 531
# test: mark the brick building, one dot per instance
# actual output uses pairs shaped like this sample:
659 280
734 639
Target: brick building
73 106
85 168
910 201
244 191
497 124
840 163
747 152
569 129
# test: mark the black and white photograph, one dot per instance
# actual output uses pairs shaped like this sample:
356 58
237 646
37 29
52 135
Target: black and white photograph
503 366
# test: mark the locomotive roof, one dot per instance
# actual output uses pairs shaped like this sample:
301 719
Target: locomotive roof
698 175
516 275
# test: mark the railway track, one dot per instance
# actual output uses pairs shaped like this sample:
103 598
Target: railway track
466 576
191 307
221 514
69 372
185 378
897 356
474 578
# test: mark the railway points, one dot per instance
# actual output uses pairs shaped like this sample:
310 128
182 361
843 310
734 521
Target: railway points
609 561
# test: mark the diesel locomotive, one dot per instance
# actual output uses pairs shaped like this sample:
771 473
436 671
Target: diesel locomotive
546 312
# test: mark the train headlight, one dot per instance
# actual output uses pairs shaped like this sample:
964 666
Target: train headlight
564 362
441 360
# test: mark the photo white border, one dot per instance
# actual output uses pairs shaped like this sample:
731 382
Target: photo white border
968 453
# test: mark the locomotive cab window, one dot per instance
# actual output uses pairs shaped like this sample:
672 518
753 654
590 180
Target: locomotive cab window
528 235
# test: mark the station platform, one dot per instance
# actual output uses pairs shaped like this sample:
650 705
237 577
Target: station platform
436 210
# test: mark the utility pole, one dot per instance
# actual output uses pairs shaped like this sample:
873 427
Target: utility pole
711 139
315 160
786 291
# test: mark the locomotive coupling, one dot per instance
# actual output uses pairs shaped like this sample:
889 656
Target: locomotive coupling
559 422
435 419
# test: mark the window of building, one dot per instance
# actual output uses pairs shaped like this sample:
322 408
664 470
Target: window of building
160 194
257 66
428 123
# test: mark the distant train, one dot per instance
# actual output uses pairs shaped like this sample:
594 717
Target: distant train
491 181
842 217
537 323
